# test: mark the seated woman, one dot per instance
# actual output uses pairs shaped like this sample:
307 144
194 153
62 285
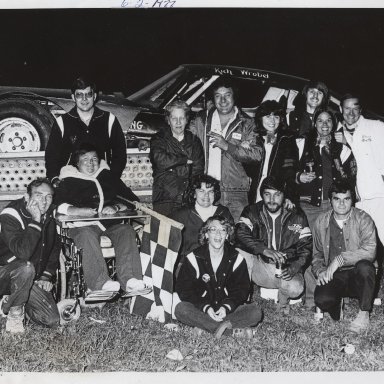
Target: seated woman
201 198
213 285
85 190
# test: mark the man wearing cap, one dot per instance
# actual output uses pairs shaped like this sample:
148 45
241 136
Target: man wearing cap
273 238
344 253
366 139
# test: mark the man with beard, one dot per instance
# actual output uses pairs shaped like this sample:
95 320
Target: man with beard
277 243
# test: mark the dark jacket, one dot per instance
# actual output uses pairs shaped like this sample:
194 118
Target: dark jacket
192 225
169 157
300 123
197 284
282 164
359 237
80 190
61 144
25 239
242 148
253 234
343 166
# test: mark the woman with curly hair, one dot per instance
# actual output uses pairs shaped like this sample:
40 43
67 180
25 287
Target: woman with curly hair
201 200
213 285
280 154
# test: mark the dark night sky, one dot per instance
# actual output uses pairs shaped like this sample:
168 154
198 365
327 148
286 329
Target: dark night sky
126 49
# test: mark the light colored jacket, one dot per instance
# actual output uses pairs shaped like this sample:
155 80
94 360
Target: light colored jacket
242 148
359 236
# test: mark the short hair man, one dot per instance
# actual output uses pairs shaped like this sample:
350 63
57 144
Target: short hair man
275 237
29 256
85 123
229 140
344 250
366 139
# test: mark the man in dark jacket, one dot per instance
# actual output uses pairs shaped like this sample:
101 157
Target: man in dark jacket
29 255
279 241
85 123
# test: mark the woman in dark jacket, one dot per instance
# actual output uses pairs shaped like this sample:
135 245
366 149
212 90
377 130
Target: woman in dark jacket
214 284
201 198
176 156
322 161
280 155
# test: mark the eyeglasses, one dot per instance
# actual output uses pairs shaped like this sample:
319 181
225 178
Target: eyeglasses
83 95
215 230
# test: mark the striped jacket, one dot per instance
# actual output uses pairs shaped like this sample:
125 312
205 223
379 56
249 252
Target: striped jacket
254 229
197 283
25 239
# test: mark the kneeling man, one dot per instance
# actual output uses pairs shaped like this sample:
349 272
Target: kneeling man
344 250
29 256
279 241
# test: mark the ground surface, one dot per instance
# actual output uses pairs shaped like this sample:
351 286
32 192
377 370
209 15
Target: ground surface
129 343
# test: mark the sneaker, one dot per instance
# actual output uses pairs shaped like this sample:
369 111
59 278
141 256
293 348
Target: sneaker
243 333
111 286
15 320
3 300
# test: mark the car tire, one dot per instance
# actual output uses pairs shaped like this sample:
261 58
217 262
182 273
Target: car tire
25 126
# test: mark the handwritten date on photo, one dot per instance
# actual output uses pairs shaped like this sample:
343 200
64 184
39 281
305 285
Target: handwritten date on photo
148 3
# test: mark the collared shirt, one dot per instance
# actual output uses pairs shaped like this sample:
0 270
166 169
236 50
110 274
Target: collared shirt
214 155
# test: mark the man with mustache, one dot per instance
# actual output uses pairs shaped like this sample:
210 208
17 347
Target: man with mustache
277 242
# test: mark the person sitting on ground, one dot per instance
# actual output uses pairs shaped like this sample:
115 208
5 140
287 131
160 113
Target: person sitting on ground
85 190
29 257
344 253
275 238
213 285
202 198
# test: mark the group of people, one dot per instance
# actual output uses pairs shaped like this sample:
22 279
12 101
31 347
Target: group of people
268 200
278 192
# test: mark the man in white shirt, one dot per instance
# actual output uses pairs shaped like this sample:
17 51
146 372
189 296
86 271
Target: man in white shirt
366 139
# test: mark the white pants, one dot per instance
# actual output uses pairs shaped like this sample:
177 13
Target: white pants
375 208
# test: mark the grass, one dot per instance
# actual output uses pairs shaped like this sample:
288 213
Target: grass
130 343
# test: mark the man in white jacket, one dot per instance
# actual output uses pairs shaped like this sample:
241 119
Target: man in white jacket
366 139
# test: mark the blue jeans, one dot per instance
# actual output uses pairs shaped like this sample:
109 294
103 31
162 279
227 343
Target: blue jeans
235 201
357 282
123 238
246 315
16 280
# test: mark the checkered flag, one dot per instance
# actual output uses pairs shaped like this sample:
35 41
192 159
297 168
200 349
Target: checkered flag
159 249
